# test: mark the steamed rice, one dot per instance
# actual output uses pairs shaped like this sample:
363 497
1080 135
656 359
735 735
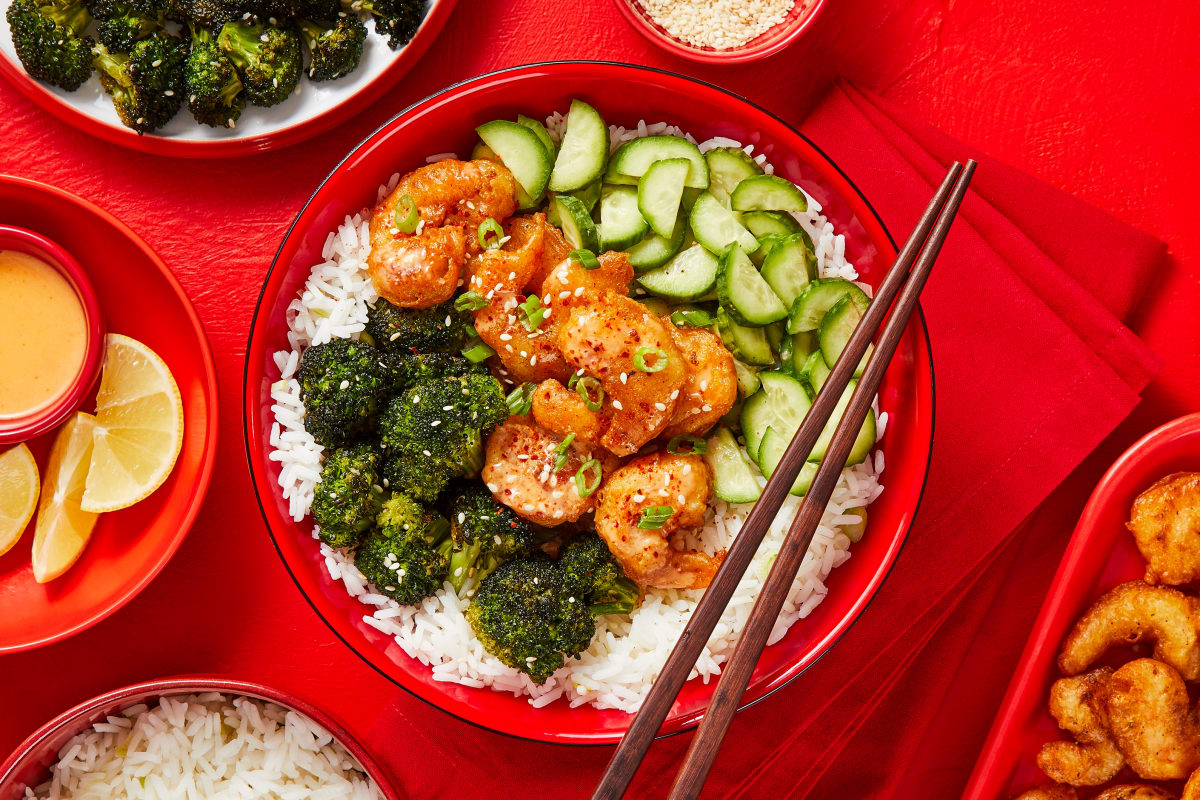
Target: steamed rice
627 653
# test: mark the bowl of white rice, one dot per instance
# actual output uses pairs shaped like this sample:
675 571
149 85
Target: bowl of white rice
317 290
193 736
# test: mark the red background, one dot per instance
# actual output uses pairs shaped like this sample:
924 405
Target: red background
1098 97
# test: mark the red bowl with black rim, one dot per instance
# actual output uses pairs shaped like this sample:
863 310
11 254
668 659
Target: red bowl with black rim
624 95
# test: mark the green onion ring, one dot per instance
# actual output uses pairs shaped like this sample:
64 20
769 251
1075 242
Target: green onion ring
584 258
406 223
584 386
487 229
699 446
585 487
660 360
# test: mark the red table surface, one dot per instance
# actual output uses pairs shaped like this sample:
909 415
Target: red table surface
1099 97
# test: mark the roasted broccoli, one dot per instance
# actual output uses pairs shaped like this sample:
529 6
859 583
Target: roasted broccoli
317 9
440 329
349 498
121 23
486 534
404 371
214 90
436 430
334 49
207 14
147 84
396 19
342 386
49 40
595 576
407 555
267 57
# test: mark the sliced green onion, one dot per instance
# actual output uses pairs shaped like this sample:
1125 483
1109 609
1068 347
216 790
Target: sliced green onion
695 318
478 352
470 330
585 387
405 218
533 311
560 452
584 258
654 517
520 399
470 301
490 234
585 485
660 359
575 376
698 445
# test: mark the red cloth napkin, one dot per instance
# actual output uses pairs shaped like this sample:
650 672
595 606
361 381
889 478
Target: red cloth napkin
1033 369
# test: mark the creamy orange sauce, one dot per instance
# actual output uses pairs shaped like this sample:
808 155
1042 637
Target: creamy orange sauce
43 334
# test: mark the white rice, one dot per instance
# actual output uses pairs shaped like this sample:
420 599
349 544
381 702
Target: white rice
206 747
628 652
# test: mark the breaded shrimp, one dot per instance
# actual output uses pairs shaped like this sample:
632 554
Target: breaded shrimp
452 192
511 265
1134 791
554 251
1078 704
710 389
1053 792
1130 613
416 271
647 554
607 336
1192 790
525 355
1152 721
566 283
1165 522
563 411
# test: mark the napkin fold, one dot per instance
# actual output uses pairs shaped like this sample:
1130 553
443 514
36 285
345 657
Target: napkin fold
1034 368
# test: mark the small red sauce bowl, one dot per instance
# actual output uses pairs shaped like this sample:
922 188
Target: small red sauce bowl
29 765
23 428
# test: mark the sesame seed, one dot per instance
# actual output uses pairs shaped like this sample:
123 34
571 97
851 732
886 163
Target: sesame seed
617 405
344 385
660 406
492 487
427 453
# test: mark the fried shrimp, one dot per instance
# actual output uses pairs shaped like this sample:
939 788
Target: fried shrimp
563 411
511 265
1134 791
1079 707
710 389
526 355
1052 792
1192 790
1151 720
555 250
680 483
1130 613
1165 522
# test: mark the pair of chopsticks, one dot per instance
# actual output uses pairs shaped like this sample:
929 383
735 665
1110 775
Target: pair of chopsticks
906 280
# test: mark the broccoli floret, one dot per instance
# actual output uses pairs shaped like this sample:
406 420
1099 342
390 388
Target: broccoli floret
49 40
595 576
334 50
440 329
268 58
396 19
486 534
207 14
317 9
273 11
214 90
436 430
349 498
121 23
147 84
406 557
404 371
342 385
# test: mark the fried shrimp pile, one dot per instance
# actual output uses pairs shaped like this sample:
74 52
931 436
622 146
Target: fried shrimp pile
1054 792
1165 523
1079 705
1152 721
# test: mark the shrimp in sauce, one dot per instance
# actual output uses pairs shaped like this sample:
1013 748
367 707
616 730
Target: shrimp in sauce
710 389
512 264
564 411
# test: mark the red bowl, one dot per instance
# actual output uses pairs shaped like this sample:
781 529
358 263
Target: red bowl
799 19
29 765
23 428
623 94
1100 555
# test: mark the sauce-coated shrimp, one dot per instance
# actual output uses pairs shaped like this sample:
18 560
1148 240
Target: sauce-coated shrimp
711 386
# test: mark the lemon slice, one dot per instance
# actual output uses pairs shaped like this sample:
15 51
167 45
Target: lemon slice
139 427
63 529
18 493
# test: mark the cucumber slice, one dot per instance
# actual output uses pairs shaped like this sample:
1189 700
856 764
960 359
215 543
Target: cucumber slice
837 326
770 452
776 333
660 192
584 151
803 345
689 275
727 167
789 268
654 251
621 224
521 151
689 198
765 245
481 150
768 193
817 298
612 176
813 372
733 478
577 225
743 292
747 344
781 404
589 195
765 223
540 131
635 157
862 444
747 378
716 227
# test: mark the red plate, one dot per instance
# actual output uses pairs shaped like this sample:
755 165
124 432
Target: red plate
141 298
1100 555
623 94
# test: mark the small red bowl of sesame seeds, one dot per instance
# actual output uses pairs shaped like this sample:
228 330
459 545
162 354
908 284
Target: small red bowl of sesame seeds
722 31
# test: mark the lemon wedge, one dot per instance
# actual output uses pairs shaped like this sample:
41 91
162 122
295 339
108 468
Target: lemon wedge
139 427
63 529
18 494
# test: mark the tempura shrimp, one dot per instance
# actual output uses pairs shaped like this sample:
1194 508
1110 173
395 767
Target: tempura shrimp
1134 791
710 388
1152 721
1079 705
1053 792
511 265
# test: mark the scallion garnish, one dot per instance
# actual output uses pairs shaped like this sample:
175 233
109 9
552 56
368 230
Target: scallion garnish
470 301
561 452
585 387
693 318
584 258
490 234
533 311
654 517
520 399
583 483
405 217
478 352
660 359
698 445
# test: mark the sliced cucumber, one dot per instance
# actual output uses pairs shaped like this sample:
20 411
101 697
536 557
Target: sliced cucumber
689 197
817 298
813 372
747 344
654 251
837 326
660 192
747 378
781 404
802 346
743 292
481 150
765 223
765 245
577 225
776 333
789 268
689 275
727 167
540 131
621 224
767 193
635 157
733 478
862 444
584 151
521 151
589 195
770 452
716 227
612 176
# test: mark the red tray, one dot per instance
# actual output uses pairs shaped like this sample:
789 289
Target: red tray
1100 555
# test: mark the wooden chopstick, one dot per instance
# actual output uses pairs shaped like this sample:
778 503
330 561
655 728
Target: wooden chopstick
649 719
